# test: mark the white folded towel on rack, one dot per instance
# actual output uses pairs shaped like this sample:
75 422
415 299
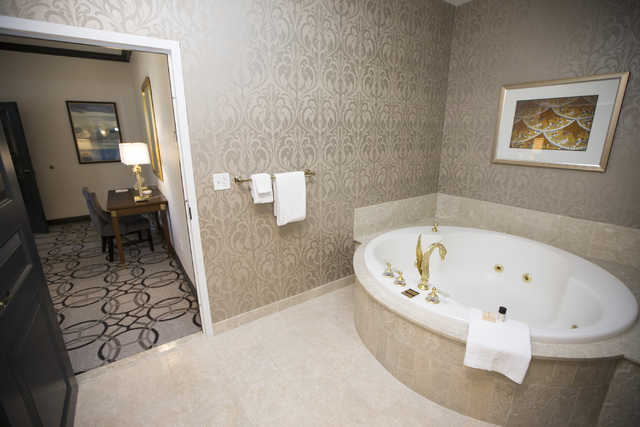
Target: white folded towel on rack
290 197
503 347
261 188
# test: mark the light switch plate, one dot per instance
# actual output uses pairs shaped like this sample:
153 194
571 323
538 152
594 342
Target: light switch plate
221 181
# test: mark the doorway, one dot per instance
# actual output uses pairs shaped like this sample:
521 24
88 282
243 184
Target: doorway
34 29
14 134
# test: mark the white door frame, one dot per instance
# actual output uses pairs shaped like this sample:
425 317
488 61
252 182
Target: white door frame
65 33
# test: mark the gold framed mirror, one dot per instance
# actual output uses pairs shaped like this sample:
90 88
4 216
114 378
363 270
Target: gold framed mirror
152 134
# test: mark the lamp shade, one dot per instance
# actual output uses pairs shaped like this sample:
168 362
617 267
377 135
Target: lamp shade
134 153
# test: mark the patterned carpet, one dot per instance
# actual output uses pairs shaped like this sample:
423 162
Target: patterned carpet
106 313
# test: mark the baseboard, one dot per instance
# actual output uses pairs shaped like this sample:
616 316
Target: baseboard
261 312
68 220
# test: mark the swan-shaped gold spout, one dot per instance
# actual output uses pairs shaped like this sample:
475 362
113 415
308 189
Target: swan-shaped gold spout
424 279
419 255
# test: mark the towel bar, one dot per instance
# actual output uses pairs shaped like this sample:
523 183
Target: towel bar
238 179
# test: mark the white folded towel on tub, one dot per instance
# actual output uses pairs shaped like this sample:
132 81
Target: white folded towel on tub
503 347
290 197
261 188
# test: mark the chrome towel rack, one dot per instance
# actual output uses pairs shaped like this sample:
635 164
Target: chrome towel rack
238 179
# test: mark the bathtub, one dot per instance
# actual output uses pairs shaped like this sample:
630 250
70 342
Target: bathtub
568 300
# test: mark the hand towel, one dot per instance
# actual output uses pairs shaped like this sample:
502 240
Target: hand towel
290 197
261 188
503 347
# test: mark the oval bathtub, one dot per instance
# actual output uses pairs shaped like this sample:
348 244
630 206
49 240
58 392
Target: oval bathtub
565 290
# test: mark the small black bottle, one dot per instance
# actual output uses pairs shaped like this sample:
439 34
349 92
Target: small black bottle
502 311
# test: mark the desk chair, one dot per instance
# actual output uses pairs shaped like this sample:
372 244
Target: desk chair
102 221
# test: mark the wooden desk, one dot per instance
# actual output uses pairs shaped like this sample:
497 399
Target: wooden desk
122 204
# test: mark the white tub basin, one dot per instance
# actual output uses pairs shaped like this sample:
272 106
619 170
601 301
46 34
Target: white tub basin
565 290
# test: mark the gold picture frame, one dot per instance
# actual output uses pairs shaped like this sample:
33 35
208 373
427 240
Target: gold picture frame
566 124
152 134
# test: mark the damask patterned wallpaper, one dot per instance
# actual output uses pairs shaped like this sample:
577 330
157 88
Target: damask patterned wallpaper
498 42
352 89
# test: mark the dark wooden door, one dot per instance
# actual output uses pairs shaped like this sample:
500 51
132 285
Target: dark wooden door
14 134
37 384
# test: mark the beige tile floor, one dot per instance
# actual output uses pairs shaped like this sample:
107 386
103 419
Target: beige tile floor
304 366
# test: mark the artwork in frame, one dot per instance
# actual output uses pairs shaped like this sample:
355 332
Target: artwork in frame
152 134
567 124
96 131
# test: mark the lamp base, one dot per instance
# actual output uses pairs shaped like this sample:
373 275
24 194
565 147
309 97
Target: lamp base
140 197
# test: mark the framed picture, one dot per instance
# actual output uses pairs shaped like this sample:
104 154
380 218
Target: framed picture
152 135
96 131
566 124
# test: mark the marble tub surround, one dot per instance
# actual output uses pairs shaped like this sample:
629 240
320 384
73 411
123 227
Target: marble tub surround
390 215
554 392
399 336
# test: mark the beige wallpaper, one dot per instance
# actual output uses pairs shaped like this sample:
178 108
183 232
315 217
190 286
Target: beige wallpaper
498 42
354 90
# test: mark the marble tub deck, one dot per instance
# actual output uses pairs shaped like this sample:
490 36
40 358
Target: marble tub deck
304 366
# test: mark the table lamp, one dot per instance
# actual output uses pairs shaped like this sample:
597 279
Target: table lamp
135 153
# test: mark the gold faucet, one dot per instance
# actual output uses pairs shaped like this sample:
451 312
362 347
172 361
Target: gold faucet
399 280
388 272
424 270
433 298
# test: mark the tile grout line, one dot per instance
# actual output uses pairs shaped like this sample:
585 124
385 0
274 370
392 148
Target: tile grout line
577 396
506 423
117 400
292 388
493 390
322 360
233 386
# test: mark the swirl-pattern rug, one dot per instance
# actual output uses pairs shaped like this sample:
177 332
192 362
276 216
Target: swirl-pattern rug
106 313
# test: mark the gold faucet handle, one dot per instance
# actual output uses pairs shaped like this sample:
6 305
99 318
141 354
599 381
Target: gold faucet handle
443 293
388 272
435 226
399 280
432 298
440 291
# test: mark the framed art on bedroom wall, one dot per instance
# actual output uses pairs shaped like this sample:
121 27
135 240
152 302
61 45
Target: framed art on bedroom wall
96 131
566 124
